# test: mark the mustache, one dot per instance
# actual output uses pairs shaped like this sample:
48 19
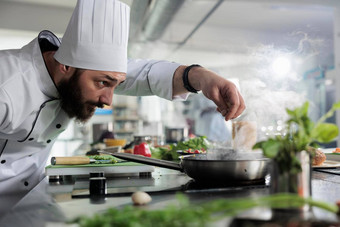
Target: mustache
97 104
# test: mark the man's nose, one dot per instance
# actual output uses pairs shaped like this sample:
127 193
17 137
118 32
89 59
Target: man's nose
106 97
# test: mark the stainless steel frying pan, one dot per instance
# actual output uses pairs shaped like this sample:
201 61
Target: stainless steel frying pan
200 168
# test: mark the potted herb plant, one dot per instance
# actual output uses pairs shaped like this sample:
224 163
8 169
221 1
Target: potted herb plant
291 152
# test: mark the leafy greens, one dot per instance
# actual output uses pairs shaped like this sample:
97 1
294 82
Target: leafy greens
185 214
303 134
197 143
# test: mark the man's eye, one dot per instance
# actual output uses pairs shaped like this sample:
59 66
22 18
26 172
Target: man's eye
103 83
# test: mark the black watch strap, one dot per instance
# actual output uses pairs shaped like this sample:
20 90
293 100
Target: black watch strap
186 79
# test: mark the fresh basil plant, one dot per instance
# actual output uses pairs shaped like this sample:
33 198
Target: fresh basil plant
302 134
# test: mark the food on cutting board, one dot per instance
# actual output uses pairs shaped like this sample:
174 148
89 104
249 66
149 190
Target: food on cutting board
141 198
101 159
318 158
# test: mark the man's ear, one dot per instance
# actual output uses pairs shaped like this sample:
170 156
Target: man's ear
64 68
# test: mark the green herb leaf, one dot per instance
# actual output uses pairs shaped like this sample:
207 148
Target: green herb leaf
325 132
299 112
185 214
330 113
271 148
194 143
197 143
110 158
302 133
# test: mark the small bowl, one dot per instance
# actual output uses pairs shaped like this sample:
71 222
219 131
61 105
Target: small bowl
115 142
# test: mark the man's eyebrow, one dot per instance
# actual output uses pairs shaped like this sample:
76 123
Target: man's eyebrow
113 79
110 78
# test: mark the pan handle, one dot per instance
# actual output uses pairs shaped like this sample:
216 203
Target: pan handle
149 161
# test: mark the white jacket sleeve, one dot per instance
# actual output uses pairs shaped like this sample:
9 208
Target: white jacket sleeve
5 116
149 77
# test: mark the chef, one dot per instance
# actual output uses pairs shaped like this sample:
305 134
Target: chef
48 82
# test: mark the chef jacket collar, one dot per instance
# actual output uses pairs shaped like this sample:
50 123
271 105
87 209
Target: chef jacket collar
46 84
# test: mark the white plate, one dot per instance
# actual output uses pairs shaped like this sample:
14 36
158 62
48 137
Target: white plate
330 155
328 164
333 157
328 150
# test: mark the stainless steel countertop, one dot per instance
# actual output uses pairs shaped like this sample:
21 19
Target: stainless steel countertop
49 203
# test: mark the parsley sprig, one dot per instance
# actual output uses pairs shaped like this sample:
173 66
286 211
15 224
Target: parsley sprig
186 214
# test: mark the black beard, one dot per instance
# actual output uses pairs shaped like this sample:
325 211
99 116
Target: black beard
72 101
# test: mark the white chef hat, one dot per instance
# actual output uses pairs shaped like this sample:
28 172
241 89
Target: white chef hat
96 37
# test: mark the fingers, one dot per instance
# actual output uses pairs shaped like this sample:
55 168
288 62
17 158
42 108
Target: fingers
239 109
224 94
231 110
242 107
232 106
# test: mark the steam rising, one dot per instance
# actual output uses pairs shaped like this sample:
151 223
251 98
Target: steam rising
232 154
267 94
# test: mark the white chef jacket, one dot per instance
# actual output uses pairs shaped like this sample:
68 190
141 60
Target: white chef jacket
31 117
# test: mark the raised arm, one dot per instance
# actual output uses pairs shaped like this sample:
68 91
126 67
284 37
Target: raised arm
221 91
165 79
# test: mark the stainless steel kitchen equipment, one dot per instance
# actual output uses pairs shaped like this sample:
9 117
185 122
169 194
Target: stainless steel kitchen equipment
174 135
200 168
152 140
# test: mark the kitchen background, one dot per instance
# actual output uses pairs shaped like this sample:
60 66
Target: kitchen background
278 52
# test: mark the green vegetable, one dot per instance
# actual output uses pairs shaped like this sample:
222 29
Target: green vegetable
197 143
303 134
164 153
186 214
112 159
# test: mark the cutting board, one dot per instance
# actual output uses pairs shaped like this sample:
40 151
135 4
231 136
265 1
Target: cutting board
108 169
